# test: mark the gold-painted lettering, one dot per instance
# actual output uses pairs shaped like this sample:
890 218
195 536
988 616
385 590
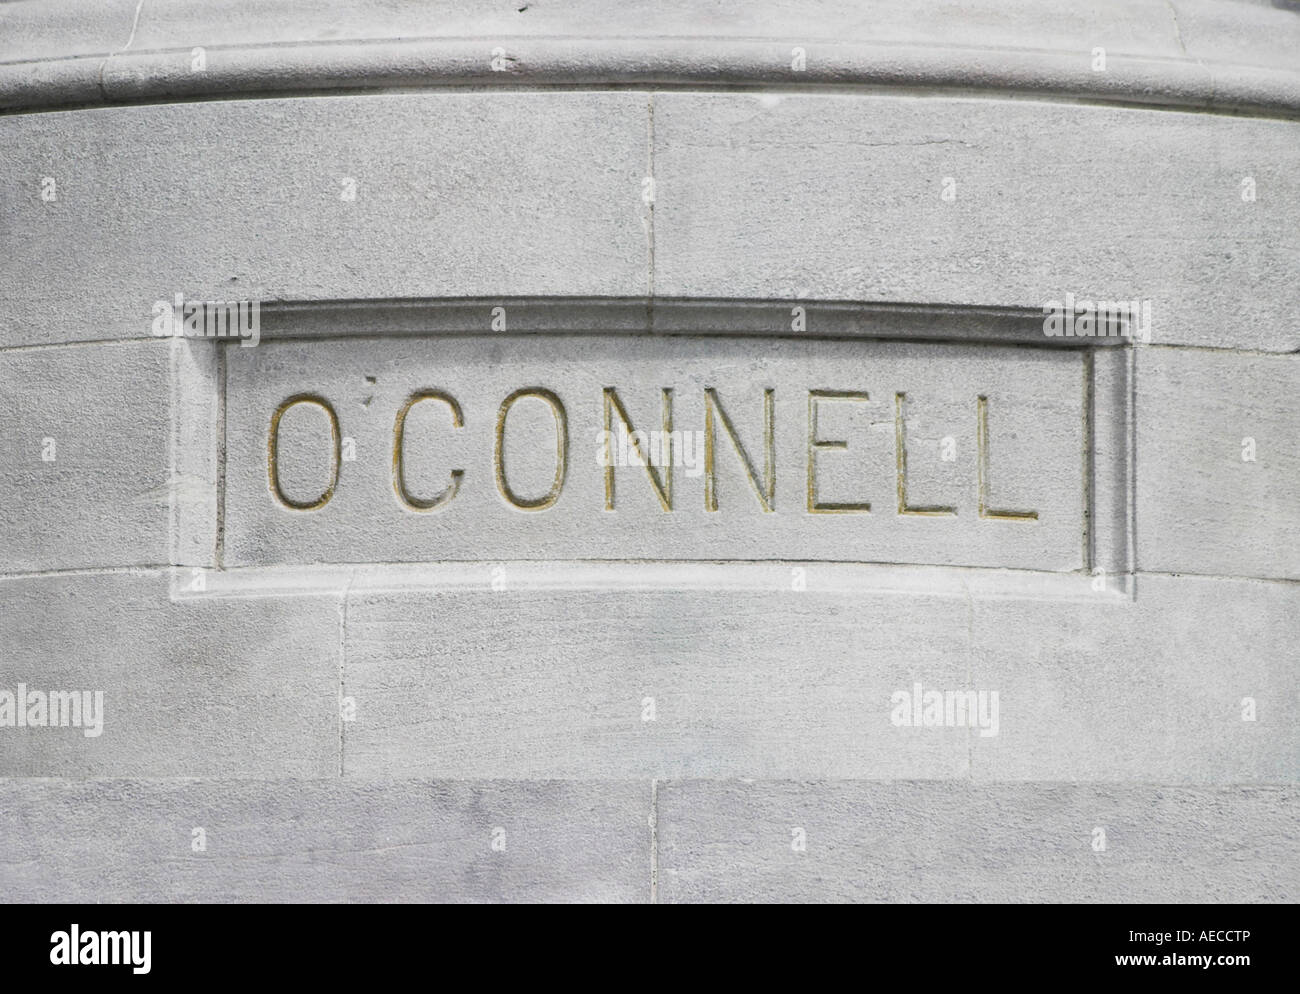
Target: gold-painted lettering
767 493
663 485
816 443
900 442
982 443
407 499
273 453
561 449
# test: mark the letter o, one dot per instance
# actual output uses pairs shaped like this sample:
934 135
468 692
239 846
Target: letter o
561 449
399 458
273 445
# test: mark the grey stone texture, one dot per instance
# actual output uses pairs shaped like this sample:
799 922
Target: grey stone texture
455 195
1219 478
205 687
968 843
515 194
737 692
323 840
486 703
86 434
1103 202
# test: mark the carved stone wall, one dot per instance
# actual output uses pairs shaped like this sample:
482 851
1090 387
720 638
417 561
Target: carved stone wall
649 452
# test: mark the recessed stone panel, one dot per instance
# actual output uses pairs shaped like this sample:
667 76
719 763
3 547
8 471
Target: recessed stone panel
605 447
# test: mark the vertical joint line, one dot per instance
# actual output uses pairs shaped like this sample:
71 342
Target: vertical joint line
1089 462
343 644
219 553
654 841
650 215
1130 465
173 453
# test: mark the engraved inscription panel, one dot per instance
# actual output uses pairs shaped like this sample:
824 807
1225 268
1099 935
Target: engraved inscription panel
654 448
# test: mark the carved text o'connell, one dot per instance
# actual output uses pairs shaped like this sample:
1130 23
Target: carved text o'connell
658 451
612 447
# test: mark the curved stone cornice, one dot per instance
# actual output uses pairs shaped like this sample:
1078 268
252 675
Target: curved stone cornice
1219 55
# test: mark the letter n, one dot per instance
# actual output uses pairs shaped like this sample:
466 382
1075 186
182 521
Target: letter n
767 492
663 485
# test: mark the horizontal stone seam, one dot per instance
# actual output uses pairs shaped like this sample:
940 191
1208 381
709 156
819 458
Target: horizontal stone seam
1224 350
1203 786
163 569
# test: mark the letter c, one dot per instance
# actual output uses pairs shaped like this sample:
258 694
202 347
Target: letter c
399 471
